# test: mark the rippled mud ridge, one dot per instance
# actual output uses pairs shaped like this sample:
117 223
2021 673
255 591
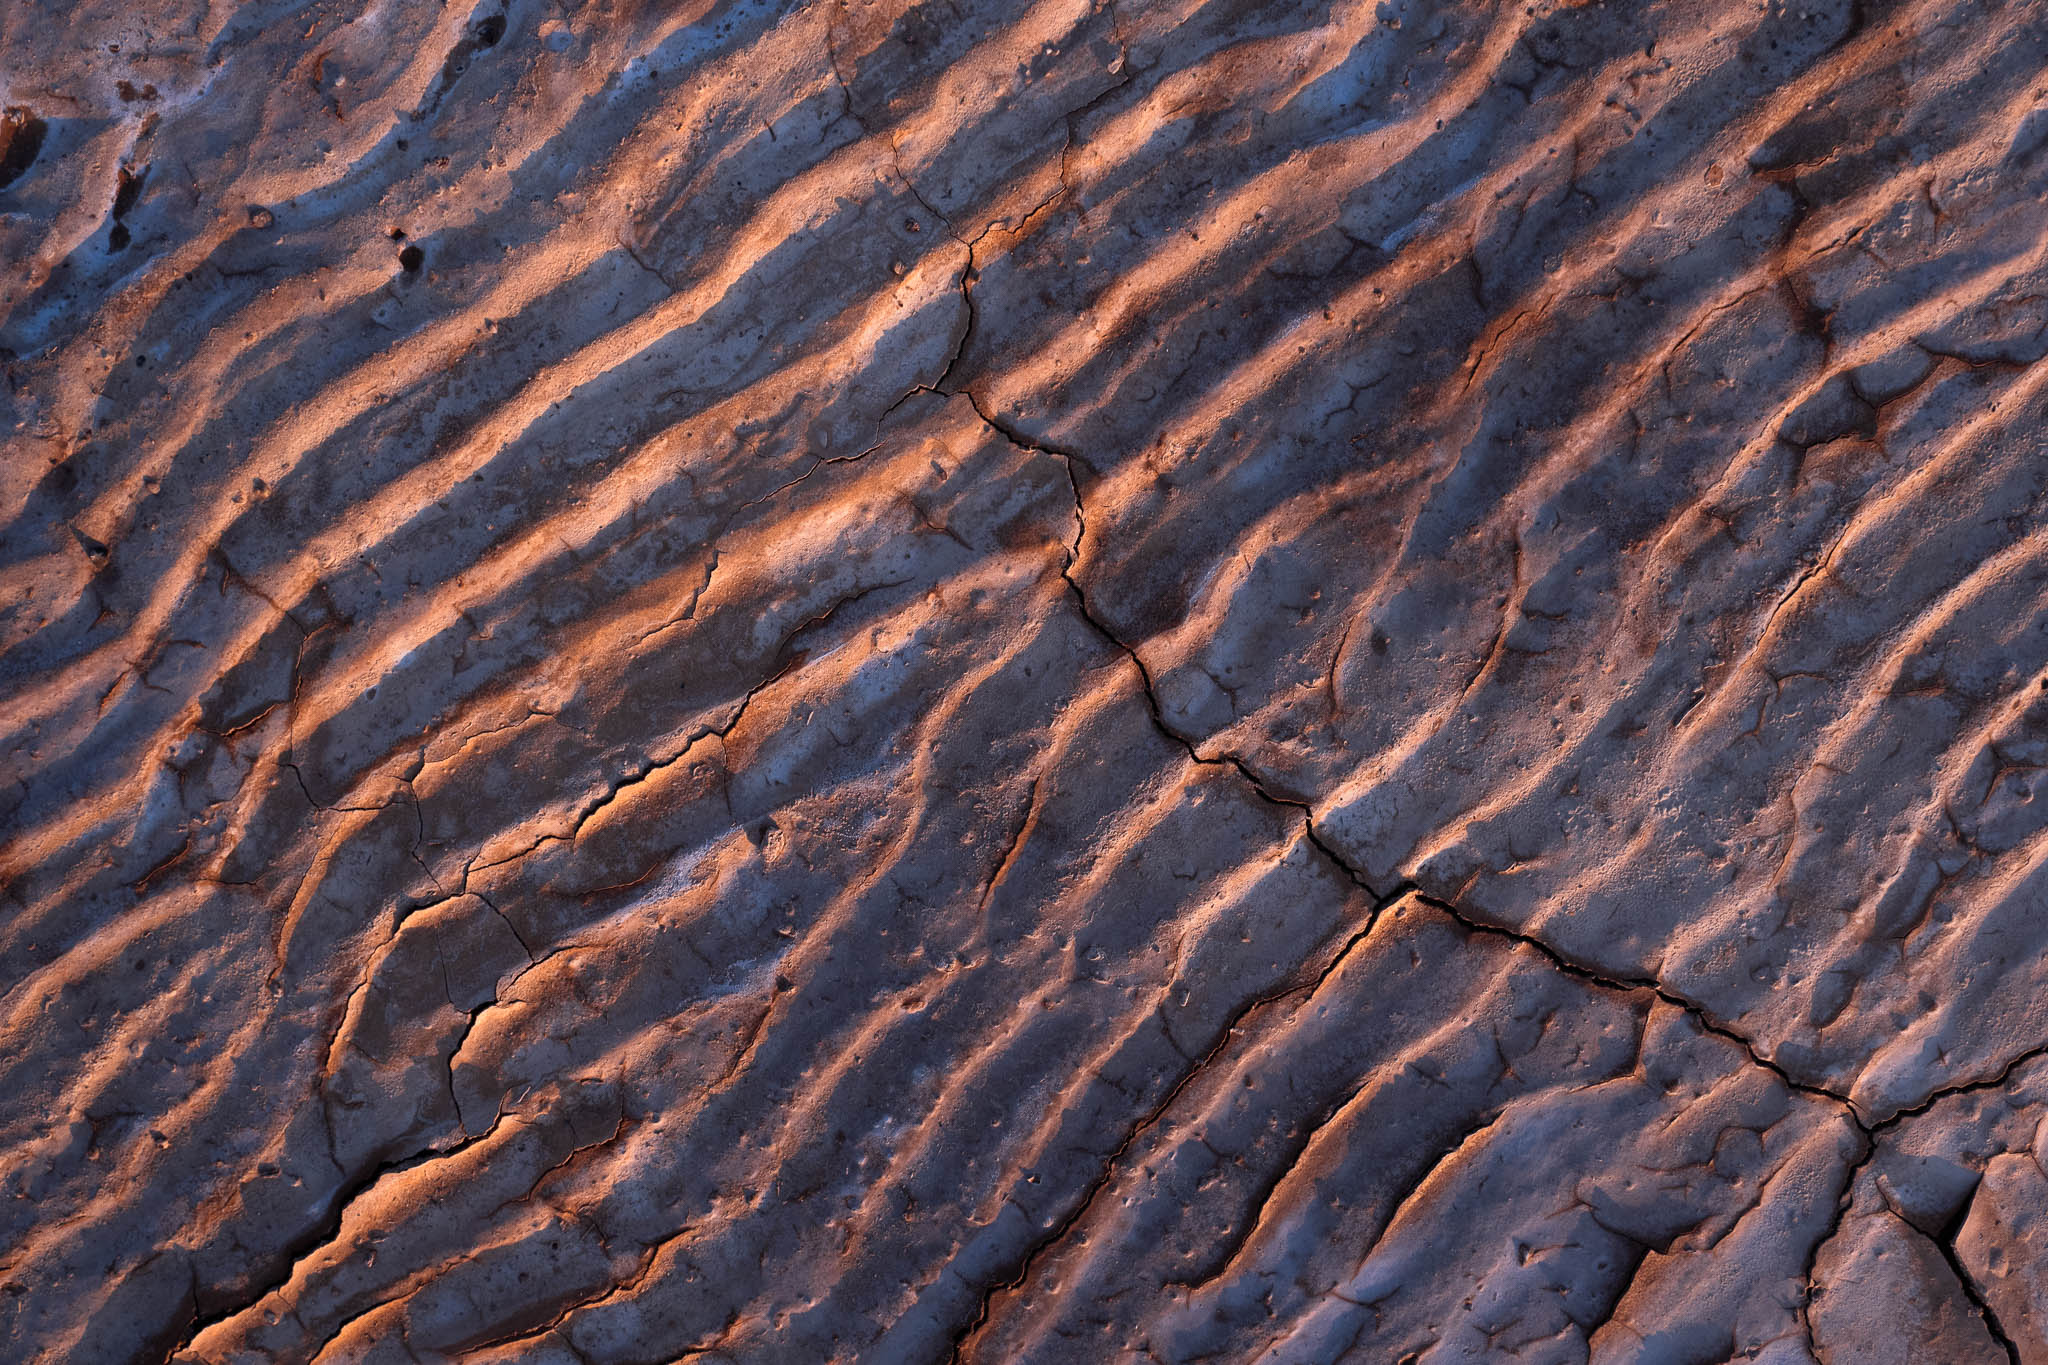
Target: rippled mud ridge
994 681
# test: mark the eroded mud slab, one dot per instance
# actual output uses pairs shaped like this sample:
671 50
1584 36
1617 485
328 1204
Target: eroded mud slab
988 682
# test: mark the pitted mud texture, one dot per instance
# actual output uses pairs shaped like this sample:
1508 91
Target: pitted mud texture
1024 680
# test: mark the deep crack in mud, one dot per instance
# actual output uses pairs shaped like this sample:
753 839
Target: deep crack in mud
943 681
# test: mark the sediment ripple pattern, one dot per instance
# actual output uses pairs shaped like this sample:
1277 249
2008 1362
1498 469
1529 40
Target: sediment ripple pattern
1045 680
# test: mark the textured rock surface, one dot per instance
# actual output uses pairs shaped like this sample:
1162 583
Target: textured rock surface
1069 681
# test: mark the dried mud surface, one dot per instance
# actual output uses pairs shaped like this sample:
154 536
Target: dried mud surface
1023 680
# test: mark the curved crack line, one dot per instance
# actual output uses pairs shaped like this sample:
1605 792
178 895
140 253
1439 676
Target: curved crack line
1945 1244
1697 1012
1704 1018
1693 1009
788 659
346 1194
1112 1162
315 1239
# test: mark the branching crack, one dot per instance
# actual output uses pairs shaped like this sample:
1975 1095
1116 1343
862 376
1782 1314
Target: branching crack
1111 1164
1695 1010
1699 1013
321 1235
650 767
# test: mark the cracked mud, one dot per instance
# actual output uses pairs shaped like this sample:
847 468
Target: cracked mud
1070 681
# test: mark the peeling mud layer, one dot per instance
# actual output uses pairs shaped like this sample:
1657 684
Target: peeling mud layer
1023 681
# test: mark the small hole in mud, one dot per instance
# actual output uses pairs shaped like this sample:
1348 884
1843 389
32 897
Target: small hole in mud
490 30
398 234
127 189
411 258
119 237
21 139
